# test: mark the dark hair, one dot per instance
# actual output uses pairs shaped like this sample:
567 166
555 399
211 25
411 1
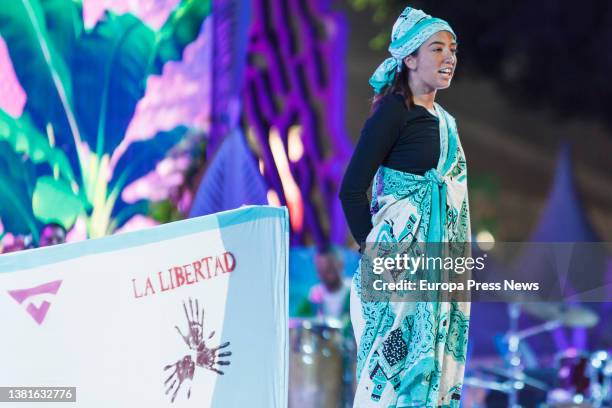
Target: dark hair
55 225
400 86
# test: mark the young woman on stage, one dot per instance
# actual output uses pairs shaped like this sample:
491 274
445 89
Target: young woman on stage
410 354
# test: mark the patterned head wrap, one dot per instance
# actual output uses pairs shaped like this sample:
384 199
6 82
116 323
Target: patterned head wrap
412 28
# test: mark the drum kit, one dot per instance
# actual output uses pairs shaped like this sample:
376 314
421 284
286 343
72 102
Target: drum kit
582 379
322 363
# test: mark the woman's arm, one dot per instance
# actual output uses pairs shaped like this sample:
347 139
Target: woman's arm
378 136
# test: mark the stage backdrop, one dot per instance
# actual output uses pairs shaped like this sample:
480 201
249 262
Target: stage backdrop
127 319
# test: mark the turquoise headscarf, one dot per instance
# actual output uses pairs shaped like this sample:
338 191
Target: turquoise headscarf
412 28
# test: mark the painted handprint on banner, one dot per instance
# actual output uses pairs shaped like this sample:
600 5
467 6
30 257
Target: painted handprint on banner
183 370
205 356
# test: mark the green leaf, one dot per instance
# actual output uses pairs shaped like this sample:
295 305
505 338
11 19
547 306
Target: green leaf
142 207
25 139
109 71
54 201
14 166
111 64
142 156
16 215
15 195
64 21
41 69
180 29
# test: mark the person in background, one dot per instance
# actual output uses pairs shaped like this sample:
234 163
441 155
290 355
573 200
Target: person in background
52 234
16 243
329 299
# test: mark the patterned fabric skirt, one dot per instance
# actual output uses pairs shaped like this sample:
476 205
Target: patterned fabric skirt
410 354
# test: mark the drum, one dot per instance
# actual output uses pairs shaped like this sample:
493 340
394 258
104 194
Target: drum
601 378
584 379
318 365
573 371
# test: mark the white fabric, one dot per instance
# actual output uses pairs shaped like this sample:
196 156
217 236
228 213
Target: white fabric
110 329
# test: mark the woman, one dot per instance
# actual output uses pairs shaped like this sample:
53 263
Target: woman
409 353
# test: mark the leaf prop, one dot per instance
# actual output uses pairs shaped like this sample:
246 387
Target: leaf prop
181 28
140 207
15 193
25 139
40 67
13 165
113 62
142 157
109 72
187 104
83 87
64 23
54 201
16 214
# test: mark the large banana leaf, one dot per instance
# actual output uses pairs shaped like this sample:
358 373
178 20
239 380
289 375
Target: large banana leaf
13 166
40 67
113 61
109 72
141 157
80 85
54 201
22 150
16 214
64 20
16 192
140 207
181 28
24 139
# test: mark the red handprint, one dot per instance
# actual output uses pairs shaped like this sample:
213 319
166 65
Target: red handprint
183 369
205 356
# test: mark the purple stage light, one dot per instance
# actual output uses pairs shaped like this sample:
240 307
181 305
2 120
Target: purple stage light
295 77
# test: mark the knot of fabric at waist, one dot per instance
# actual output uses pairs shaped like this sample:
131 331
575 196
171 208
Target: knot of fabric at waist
434 176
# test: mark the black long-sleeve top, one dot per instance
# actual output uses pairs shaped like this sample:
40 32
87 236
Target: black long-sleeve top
396 137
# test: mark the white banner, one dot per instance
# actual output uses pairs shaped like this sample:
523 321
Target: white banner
187 314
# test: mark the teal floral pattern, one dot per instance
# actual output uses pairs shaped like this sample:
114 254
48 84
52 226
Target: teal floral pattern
412 354
456 342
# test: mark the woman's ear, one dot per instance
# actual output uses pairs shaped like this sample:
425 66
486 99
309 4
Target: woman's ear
410 62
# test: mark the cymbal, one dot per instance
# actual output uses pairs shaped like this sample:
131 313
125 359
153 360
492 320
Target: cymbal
476 382
507 373
569 315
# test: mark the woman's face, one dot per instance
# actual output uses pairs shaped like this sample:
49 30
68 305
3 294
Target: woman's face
434 64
